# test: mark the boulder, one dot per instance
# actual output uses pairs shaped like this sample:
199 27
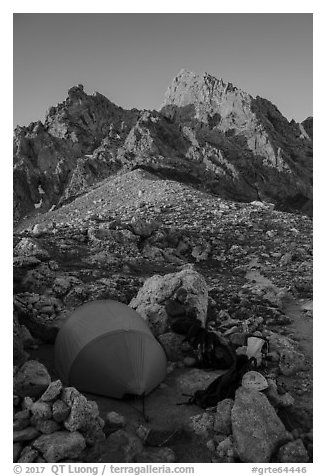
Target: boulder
82 411
22 414
291 362
202 425
158 290
27 403
41 411
47 426
28 339
276 399
41 229
222 421
142 227
225 451
121 447
293 452
279 343
52 392
29 247
93 432
256 428
28 455
27 434
60 411
21 424
60 445
32 379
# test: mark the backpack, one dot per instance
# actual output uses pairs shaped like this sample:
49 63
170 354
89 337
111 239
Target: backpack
224 386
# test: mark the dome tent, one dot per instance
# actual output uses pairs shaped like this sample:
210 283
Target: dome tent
106 348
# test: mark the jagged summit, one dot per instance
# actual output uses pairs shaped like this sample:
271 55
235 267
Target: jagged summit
210 80
208 133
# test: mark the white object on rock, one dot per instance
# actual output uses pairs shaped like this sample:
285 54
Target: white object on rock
253 380
254 348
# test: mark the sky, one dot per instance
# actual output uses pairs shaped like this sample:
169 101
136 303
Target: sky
132 58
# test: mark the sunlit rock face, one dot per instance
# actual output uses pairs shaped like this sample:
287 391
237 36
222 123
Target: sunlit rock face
208 133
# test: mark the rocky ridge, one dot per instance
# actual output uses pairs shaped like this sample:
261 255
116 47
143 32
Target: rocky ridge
207 133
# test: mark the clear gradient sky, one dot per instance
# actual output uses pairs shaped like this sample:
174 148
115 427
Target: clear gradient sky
132 58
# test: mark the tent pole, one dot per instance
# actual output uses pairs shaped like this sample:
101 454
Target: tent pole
143 405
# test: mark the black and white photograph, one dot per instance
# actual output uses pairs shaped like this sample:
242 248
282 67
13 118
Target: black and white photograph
162 241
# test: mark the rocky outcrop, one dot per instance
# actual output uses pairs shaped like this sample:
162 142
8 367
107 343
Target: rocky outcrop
246 141
208 133
74 148
162 295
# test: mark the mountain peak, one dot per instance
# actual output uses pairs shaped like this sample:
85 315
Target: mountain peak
208 132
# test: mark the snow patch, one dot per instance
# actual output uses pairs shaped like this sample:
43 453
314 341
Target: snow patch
40 190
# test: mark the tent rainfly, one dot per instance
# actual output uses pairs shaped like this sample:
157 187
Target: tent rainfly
106 348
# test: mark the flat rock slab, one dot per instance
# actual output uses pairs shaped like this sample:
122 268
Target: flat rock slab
256 428
197 379
60 445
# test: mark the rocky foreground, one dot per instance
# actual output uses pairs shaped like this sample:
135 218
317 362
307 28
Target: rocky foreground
137 238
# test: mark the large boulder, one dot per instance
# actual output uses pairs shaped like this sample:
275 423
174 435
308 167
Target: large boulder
257 430
158 291
60 445
32 379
